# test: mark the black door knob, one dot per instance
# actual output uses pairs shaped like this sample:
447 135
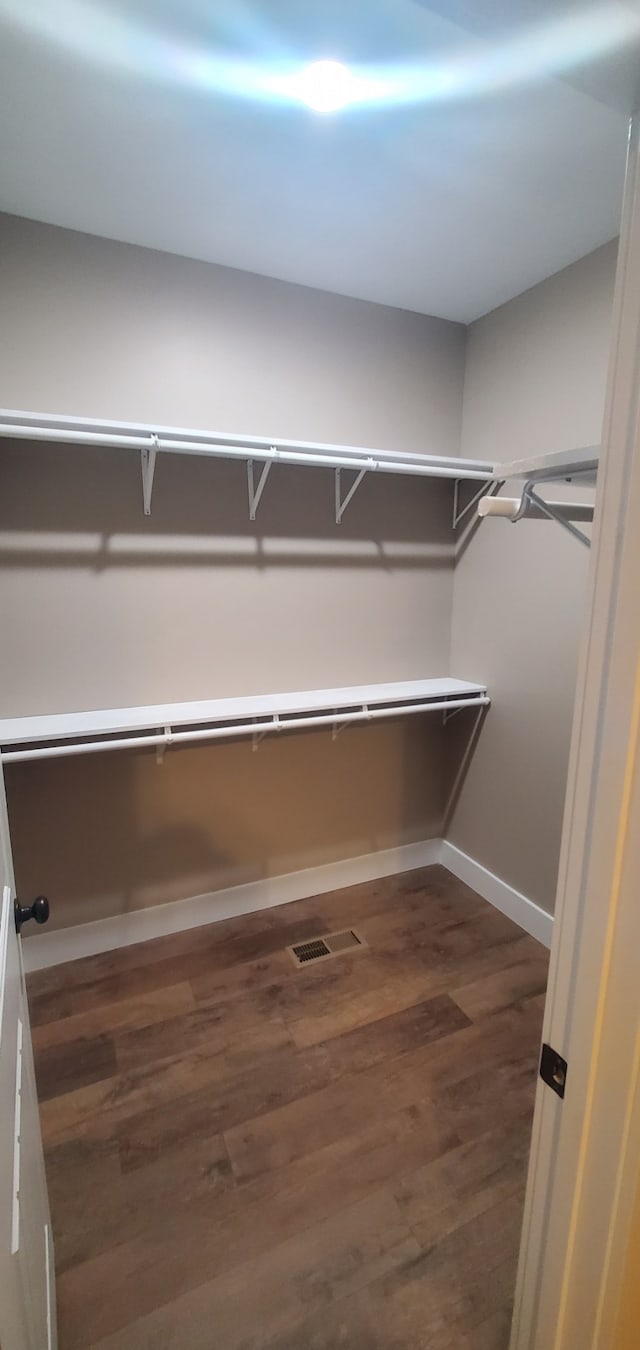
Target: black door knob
39 911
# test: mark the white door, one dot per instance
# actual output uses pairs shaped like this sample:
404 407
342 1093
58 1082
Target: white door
27 1296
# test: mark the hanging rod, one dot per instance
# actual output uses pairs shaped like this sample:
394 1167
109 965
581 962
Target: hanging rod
521 508
169 737
530 506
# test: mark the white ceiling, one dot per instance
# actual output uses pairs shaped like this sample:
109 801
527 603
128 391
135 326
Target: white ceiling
498 160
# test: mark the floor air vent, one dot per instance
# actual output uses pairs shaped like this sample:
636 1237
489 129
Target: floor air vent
321 948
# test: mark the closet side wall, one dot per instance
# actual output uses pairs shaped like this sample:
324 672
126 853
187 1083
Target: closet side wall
104 607
535 381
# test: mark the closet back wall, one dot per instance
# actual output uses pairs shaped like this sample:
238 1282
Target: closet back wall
104 607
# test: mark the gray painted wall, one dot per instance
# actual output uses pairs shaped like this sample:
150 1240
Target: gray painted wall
535 382
102 329
104 607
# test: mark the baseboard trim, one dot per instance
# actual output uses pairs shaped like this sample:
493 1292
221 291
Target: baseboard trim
516 906
53 947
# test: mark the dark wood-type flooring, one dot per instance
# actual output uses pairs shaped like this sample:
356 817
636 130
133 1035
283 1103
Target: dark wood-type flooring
244 1156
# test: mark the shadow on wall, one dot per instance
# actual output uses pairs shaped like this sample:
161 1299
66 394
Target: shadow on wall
105 607
117 832
82 506
463 733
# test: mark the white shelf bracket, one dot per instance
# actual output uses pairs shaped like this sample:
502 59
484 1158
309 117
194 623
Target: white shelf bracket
164 746
529 495
458 515
448 713
255 493
342 503
148 465
337 727
257 737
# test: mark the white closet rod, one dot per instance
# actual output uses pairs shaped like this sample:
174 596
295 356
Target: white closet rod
521 508
256 728
288 452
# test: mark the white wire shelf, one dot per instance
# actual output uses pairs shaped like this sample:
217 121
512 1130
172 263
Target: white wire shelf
262 451
559 465
567 466
166 724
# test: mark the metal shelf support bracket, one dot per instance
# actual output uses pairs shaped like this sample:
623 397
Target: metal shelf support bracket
343 502
458 515
448 714
255 493
148 465
257 737
529 495
164 746
337 728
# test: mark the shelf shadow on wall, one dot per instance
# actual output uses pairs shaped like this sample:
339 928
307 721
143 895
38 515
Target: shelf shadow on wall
462 737
77 836
99 831
114 833
74 507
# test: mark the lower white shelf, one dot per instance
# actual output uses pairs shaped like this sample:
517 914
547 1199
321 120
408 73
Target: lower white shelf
162 725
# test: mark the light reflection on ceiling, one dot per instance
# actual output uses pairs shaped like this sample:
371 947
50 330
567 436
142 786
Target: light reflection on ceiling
108 37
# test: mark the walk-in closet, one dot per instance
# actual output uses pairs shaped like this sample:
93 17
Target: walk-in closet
308 326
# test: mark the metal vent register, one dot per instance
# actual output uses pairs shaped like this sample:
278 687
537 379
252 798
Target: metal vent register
321 948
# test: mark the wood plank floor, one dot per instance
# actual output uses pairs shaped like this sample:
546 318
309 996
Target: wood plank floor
244 1156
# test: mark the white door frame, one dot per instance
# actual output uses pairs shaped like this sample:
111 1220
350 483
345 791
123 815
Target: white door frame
585 1153
27 1280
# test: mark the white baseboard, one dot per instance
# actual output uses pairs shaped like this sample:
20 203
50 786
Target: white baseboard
516 906
52 947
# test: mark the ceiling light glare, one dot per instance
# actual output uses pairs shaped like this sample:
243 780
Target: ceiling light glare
327 86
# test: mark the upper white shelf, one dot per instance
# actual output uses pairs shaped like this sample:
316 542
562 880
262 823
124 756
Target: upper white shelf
562 464
210 719
16 424
150 441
